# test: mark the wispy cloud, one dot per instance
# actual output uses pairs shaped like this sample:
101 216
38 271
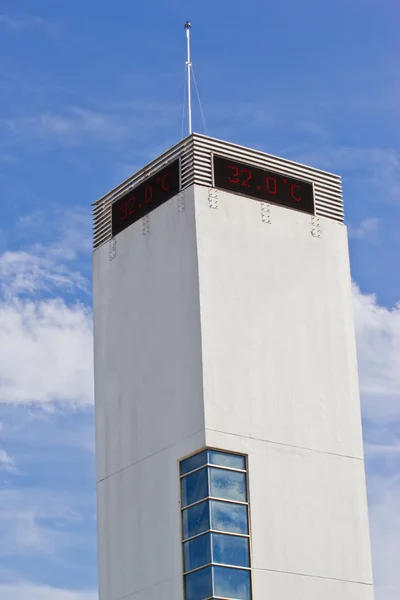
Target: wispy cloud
378 349
77 125
379 167
71 231
73 123
368 228
384 511
6 462
32 591
28 273
54 343
21 24
34 524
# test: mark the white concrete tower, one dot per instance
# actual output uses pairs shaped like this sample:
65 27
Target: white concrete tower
224 338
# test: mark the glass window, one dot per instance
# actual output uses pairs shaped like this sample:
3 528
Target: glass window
197 552
198 585
230 485
222 459
226 516
194 487
215 524
194 462
231 583
230 550
196 519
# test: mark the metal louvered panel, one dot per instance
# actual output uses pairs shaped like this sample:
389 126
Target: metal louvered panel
195 153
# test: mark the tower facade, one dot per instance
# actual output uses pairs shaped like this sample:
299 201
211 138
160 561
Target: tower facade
228 430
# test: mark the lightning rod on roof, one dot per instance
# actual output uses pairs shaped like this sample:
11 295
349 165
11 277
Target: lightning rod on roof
189 68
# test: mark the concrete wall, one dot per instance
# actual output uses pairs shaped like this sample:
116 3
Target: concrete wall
148 399
219 329
280 384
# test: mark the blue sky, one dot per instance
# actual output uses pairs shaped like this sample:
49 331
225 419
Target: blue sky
91 91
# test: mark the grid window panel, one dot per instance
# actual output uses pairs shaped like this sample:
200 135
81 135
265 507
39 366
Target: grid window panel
194 462
231 583
230 550
216 542
224 459
197 552
226 516
194 487
229 485
196 519
198 585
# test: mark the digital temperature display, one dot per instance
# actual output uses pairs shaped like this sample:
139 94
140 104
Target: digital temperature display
145 197
264 185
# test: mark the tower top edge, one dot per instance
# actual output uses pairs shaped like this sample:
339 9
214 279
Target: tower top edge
214 145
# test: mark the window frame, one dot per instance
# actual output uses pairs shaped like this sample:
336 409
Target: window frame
208 465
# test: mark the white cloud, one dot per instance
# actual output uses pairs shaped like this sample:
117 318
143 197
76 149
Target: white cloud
23 23
73 125
384 513
6 462
378 350
25 272
377 167
77 126
46 352
71 231
40 522
31 591
366 229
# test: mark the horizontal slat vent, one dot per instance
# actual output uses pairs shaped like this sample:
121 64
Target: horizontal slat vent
196 152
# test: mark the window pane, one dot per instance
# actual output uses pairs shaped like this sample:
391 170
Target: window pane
231 583
195 520
230 550
192 463
194 487
198 585
198 552
226 460
228 484
228 517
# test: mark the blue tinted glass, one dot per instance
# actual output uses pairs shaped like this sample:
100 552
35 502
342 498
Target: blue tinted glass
195 520
198 585
230 550
228 484
228 517
194 487
231 583
198 552
192 463
226 460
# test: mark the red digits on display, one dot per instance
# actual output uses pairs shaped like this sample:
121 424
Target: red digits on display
270 183
292 191
123 211
244 183
131 203
148 193
164 183
235 175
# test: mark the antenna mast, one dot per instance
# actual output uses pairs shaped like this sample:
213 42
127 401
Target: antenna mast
189 68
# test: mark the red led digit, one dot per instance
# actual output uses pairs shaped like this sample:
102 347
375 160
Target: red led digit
292 191
148 193
244 183
131 203
270 184
235 175
123 211
164 183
